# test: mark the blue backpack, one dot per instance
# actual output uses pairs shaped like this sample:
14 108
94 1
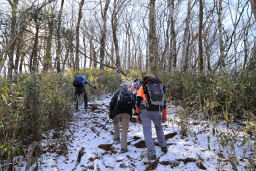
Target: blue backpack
78 82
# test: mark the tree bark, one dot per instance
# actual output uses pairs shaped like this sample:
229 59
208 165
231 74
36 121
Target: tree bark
58 49
153 48
34 58
77 35
221 58
103 36
14 6
173 41
48 56
253 6
185 48
200 41
114 23
252 61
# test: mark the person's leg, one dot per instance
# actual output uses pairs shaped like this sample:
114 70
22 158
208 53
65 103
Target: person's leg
76 98
147 131
125 119
156 118
85 100
116 127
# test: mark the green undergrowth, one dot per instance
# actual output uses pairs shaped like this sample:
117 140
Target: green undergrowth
230 93
32 105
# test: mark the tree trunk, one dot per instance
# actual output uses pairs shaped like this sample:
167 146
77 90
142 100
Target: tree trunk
77 35
19 50
153 48
200 41
48 56
221 58
14 5
58 49
84 43
253 6
103 36
33 58
252 61
245 48
114 24
172 55
185 48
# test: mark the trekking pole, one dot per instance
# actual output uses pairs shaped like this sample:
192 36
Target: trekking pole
98 133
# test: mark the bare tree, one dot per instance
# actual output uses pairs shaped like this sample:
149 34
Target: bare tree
48 56
173 41
185 48
103 36
252 61
200 40
34 61
253 6
77 35
58 50
14 6
221 45
153 48
117 7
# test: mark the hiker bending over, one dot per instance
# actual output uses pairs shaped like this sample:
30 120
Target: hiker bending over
121 106
79 83
150 103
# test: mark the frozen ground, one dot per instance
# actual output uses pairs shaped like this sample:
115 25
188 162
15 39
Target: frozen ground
83 147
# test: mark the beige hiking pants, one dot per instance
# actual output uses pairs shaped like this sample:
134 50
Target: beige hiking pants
124 119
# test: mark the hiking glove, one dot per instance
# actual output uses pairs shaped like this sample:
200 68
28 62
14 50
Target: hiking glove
138 119
164 118
137 111
165 111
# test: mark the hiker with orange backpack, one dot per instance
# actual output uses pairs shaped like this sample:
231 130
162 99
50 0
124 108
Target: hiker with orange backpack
150 104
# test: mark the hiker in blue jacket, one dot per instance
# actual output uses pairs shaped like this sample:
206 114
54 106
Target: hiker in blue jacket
79 83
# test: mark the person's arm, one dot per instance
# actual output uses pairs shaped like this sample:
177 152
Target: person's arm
139 96
164 89
91 85
113 101
164 113
133 86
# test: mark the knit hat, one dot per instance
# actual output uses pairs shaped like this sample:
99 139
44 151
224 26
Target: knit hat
124 85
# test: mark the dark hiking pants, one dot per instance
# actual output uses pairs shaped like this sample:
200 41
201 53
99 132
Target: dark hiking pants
78 92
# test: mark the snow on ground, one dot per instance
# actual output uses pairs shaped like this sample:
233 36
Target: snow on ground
88 151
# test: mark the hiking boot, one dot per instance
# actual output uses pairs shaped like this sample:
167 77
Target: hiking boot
164 149
123 151
117 141
153 157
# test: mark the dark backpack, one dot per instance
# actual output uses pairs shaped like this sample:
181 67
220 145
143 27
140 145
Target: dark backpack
125 100
154 91
78 82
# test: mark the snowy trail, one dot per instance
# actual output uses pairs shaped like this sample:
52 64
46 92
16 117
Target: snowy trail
88 151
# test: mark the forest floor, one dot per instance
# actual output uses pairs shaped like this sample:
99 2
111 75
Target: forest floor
82 147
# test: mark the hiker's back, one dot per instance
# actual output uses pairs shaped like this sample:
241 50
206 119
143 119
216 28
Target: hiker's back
78 82
125 100
154 91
